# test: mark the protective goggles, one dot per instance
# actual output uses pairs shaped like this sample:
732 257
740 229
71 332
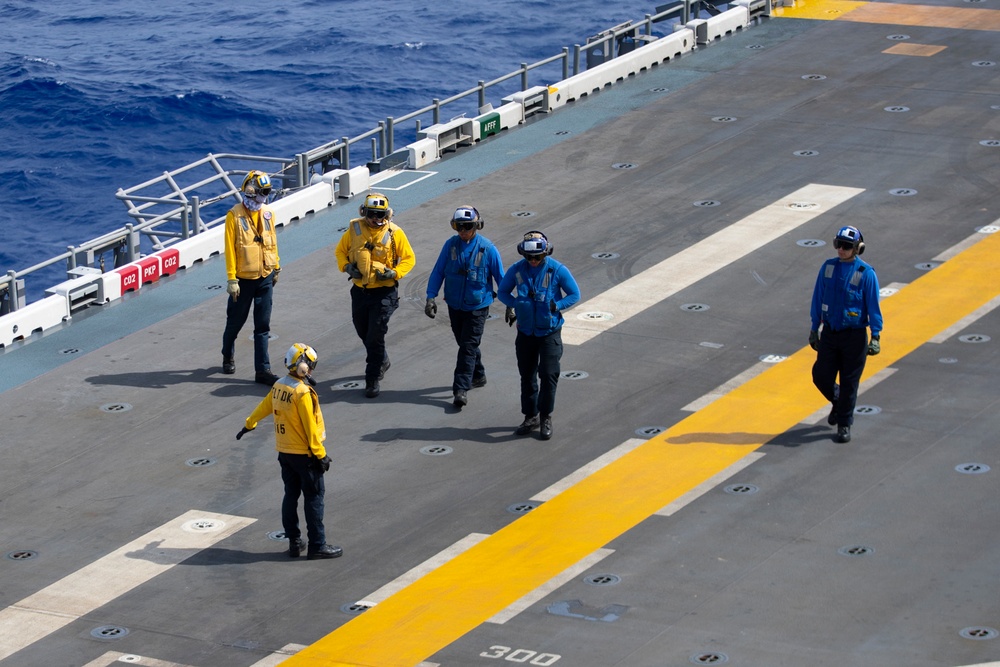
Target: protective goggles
464 226
841 244
376 213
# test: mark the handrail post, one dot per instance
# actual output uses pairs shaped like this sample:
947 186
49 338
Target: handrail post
390 129
437 110
15 298
482 94
345 153
565 62
524 77
576 59
196 214
381 141
129 247
71 262
186 221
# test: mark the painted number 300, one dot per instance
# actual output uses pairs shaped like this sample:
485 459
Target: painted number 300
521 655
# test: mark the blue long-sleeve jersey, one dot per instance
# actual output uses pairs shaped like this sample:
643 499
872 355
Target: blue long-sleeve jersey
468 271
846 296
538 295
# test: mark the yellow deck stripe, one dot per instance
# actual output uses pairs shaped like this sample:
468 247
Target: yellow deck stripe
928 16
439 608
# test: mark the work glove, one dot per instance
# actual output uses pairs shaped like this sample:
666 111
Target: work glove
353 271
814 340
388 274
323 463
274 277
430 308
243 431
874 347
552 306
233 287
509 317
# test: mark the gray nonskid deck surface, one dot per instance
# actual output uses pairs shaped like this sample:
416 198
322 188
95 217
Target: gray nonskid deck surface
760 578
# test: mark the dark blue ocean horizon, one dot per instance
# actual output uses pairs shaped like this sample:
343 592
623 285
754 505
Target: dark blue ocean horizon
97 98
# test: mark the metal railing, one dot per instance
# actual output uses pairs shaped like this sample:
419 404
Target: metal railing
197 192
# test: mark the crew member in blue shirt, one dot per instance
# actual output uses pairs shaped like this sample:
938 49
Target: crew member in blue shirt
538 289
469 265
845 302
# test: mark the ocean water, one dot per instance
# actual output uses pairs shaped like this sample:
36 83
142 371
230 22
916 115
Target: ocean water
101 96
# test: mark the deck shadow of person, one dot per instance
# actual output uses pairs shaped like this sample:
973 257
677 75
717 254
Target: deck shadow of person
351 390
487 435
230 386
792 438
154 553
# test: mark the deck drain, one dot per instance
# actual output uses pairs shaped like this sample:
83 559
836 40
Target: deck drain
605 255
200 462
130 658
212 288
358 607
802 206
810 243
277 535
706 203
522 508
709 344
341 229
724 119
649 431
988 229
948 360
887 291
436 450
897 38
603 580
695 307
22 554
772 358
562 133
974 338
350 384
574 375
741 489
456 179
523 214
896 109
983 63
709 658
623 165
806 153
856 550
867 410
925 266
972 468
979 632
116 407
595 316
659 90
902 192
203 525
109 632
813 77
990 142
754 47
70 350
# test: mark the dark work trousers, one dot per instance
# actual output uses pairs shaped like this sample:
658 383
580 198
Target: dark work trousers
841 353
371 310
254 293
538 359
467 325
301 479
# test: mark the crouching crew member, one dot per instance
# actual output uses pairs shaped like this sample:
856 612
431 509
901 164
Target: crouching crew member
845 302
468 265
299 433
538 288
375 253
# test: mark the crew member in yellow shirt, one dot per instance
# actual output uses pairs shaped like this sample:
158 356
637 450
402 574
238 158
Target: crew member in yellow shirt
374 252
252 268
299 433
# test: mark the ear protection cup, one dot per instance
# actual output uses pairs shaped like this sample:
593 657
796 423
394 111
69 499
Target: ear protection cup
302 370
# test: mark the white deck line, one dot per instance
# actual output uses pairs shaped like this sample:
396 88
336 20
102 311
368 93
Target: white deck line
709 484
77 594
701 260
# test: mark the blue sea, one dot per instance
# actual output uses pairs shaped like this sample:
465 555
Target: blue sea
101 96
